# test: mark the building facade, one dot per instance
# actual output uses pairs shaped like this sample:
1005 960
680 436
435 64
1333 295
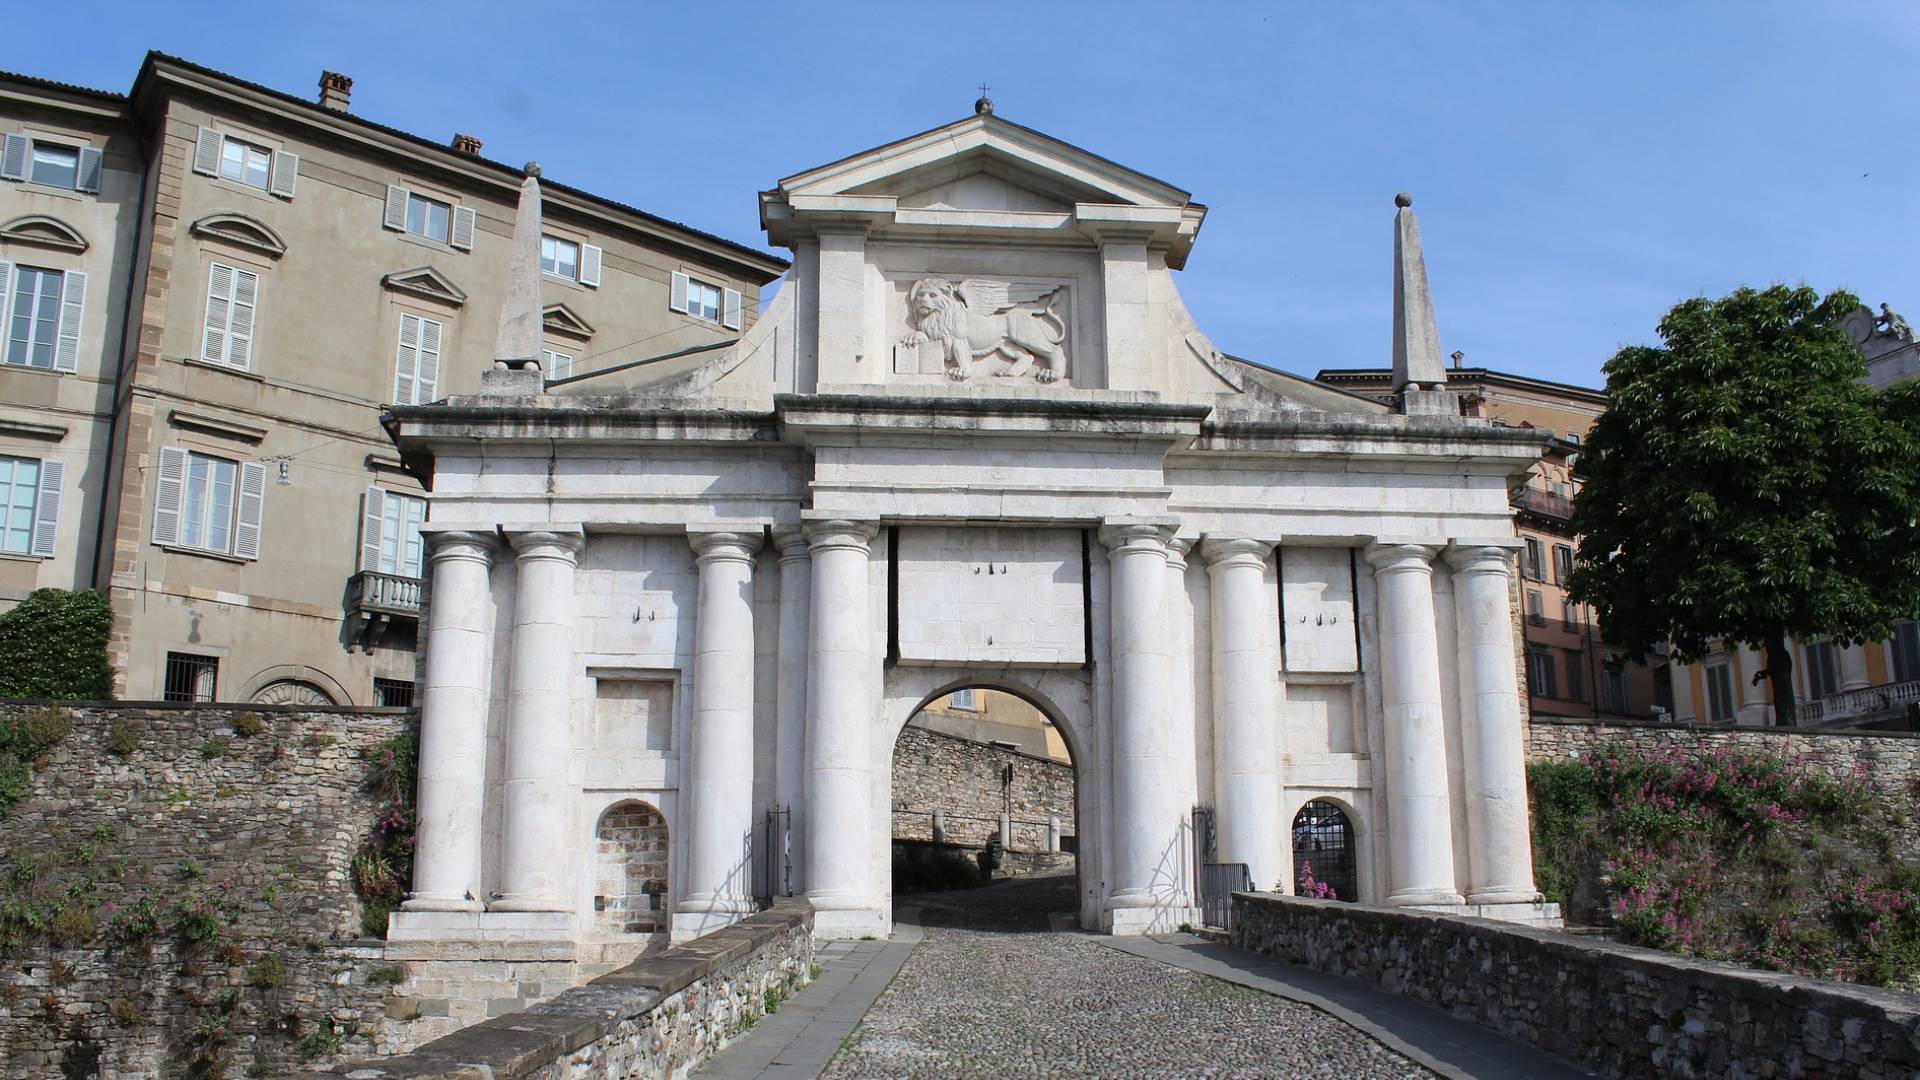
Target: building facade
976 441
213 291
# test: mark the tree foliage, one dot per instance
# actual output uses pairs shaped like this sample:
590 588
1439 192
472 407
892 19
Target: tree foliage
1745 484
53 645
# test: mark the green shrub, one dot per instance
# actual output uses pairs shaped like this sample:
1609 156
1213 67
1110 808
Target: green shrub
25 742
248 724
123 738
53 645
383 868
269 971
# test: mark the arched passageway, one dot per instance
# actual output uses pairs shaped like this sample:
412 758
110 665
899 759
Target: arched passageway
630 870
1325 859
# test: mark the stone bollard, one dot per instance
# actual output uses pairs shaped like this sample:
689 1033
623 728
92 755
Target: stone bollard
939 827
1006 831
1053 833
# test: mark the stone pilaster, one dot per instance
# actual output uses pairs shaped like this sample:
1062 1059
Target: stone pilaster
1500 846
1246 707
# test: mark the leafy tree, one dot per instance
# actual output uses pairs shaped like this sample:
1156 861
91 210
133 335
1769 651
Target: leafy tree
1745 484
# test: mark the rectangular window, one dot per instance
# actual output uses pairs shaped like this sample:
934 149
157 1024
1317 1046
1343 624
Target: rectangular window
1569 615
1719 692
1536 608
1562 563
703 300
33 317
1576 676
1823 670
430 218
1613 691
561 258
962 699
19 502
392 693
1906 651
190 677
232 297
558 365
245 163
1540 680
400 534
417 365
206 519
1530 560
55 165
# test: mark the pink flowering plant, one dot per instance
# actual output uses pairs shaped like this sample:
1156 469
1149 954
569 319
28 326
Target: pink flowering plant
1728 853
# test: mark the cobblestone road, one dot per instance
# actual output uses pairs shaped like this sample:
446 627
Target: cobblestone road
990 993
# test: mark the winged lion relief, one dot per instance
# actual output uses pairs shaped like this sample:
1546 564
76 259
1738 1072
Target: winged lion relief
973 322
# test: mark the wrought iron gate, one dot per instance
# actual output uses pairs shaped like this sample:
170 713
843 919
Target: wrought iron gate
776 853
1214 883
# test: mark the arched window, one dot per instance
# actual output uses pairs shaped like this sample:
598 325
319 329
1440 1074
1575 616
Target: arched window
630 870
1325 863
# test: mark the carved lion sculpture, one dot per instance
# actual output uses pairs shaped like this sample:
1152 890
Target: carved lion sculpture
976 319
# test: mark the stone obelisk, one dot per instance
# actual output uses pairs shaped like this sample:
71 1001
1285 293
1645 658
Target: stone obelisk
1419 373
518 344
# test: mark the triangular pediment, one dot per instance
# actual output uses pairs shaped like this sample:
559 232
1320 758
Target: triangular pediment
561 319
428 282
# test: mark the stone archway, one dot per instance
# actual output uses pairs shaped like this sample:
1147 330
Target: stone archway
1326 850
630 869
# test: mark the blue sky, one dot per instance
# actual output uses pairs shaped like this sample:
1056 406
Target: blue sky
1577 168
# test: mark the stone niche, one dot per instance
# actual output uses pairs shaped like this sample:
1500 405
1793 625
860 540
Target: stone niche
992 596
1316 589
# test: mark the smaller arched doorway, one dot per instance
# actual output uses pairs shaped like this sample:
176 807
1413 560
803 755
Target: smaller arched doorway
1326 862
630 870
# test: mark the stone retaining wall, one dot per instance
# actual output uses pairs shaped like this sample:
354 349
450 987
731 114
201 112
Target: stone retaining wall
177 890
1625 1011
961 779
1888 762
658 1017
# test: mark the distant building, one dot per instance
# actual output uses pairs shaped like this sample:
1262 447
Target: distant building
997 717
212 291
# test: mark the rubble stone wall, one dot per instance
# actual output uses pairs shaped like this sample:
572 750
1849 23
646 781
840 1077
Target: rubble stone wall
961 779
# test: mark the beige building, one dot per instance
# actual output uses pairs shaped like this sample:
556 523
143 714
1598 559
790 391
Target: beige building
212 293
997 717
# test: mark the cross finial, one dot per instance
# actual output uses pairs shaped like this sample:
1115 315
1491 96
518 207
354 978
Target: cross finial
984 106
983 89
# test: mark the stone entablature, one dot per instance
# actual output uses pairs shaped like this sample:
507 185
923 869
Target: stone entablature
1223 585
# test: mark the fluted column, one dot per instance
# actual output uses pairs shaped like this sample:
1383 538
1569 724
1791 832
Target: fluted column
533 873
1499 844
1420 813
453 725
1246 707
840 716
790 710
720 729
1853 667
1181 706
1147 816
1680 680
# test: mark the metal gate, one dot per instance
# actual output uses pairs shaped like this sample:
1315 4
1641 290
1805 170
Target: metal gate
1214 883
776 851
1325 862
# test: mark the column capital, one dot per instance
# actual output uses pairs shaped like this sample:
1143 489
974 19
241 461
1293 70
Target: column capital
1399 556
791 542
1227 551
831 533
722 545
553 542
1177 548
1482 556
1123 536
463 545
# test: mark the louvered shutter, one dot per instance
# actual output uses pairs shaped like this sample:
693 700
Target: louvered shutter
677 297
13 157
46 515
213 347
373 517
590 258
169 485
286 172
206 152
253 501
426 376
463 222
73 304
396 208
730 309
6 303
246 296
407 360
88 178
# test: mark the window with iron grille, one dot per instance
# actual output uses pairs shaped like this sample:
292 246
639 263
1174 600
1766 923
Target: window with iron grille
1324 853
190 677
393 693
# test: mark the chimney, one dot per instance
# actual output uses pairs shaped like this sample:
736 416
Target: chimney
335 90
466 144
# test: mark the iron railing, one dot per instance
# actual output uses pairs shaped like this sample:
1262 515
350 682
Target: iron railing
1218 882
385 594
1545 503
776 850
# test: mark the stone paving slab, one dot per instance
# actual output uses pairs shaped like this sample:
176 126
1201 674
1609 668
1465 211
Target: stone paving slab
1456 1049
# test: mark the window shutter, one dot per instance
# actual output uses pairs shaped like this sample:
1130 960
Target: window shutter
213 348
463 220
206 152
46 516
286 172
590 259
170 483
13 157
88 178
677 298
373 516
396 208
426 376
6 281
407 360
73 302
246 295
730 310
253 499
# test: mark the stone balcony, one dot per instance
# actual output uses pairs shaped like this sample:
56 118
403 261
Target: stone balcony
1545 503
374 594
1852 708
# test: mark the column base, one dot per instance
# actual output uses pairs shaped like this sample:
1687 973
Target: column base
442 903
1540 915
851 923
528 904
480 927
1138 921
1425 898
1503 896
687 925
